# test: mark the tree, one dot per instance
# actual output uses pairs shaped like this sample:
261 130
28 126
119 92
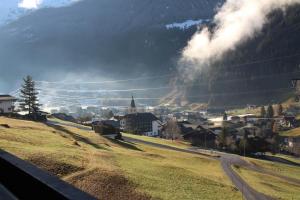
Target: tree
222 138
262 111
29 99
172 131
280 110
225 117
108 114
270 112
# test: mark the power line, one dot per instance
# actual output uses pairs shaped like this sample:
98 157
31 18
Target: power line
102 82
158 98
167 75
162 88
105 91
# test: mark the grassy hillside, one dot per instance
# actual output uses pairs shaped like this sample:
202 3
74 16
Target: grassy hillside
174 143
280 184
115 170
276 187
292 133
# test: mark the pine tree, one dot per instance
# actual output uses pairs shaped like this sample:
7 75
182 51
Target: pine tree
262 111
29 100
280 110
270 112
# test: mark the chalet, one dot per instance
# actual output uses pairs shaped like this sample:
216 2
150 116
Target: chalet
235 119
107 130
201 137
289 121
141 123
7 104
294 145
112 122
251 131
215 111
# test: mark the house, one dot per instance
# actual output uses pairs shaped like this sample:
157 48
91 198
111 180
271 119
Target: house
289 121
107 130
201 136
215 111
141 123
250 130
112 122
235 119
7 104
294 145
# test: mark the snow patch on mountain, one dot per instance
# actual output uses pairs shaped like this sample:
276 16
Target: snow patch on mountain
187 24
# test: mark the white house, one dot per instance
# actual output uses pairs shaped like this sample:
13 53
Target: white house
7 104
156 128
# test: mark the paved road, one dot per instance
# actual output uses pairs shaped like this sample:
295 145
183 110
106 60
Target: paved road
227 160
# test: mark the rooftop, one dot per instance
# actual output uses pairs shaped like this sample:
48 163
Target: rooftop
7 98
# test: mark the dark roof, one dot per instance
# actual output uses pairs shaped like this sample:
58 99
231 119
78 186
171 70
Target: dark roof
141 116
7 98
216 110
202 134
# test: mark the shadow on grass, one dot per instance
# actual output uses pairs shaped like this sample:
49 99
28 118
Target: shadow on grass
76 136
127 145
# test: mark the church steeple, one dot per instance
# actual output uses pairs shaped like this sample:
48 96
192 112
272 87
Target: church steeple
132 108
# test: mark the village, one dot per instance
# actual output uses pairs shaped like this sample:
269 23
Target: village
212 129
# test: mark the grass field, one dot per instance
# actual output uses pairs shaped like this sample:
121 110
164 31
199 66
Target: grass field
174 143
292 133
243 111
115 170
281 169
287 157
270 185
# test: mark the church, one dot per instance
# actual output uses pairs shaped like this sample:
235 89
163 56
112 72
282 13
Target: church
140 123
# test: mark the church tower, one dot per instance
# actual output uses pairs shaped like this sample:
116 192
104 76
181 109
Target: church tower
132 108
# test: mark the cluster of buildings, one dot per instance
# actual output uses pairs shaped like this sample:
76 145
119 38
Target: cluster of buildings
203 128
143 123
190 126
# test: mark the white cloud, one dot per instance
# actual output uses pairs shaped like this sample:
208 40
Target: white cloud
30 4
236 22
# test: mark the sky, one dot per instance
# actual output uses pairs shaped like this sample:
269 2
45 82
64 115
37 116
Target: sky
13 9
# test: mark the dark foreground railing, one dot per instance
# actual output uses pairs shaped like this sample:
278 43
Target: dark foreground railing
21 180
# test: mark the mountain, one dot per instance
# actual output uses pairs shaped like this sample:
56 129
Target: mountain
119 38
258 72
129 39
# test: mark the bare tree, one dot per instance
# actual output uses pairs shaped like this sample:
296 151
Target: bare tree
172 131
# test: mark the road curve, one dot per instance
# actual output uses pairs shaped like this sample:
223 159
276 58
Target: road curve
227 160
